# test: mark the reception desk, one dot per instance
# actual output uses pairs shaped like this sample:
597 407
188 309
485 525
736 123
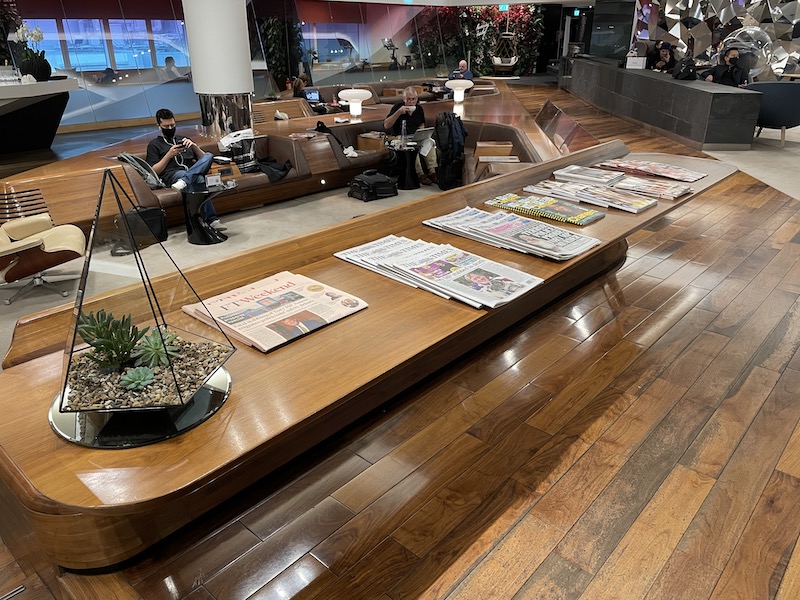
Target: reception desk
31 112
702 115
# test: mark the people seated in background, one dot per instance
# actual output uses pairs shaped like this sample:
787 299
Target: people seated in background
728 72
413 115
108 76
462 72
664 60
298 85
169 71
180 162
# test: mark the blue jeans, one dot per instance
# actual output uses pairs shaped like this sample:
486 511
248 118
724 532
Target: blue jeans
196 174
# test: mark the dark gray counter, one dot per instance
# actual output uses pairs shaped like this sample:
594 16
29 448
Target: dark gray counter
703 115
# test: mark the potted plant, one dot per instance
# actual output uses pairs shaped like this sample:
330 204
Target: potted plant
128 368
33 59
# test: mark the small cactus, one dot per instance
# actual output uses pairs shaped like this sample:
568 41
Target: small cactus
137 378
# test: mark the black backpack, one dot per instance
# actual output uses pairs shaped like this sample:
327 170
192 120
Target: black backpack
371 185
450 135
685 69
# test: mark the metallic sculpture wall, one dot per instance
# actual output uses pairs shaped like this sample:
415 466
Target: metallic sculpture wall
701 26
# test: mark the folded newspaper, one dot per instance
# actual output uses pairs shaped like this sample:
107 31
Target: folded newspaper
270 312
444 270
648 167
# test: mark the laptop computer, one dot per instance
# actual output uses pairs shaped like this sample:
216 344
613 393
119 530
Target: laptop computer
312 96
422 134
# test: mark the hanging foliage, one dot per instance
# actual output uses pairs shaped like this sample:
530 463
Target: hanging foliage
9 22
437 44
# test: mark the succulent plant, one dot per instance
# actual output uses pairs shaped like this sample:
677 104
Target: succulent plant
137 378
155 349
112 340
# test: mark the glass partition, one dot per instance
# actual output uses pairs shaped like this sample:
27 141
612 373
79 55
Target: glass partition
131 56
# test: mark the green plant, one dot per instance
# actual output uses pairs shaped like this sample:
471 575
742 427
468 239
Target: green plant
282 42
112 340
30 39
137 378
155 349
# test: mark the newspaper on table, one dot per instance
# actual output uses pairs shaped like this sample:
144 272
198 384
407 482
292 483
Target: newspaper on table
515 232
467 277
653 188
270 312
443 270
599 195
587 175
648 167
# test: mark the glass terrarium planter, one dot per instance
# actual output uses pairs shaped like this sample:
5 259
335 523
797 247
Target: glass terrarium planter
136 367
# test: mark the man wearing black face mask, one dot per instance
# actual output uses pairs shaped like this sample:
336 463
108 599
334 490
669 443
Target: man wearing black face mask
180 162
729 72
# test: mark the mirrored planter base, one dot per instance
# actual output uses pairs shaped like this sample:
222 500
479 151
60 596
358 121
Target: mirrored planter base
129 429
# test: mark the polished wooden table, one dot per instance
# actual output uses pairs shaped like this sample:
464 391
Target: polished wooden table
70 506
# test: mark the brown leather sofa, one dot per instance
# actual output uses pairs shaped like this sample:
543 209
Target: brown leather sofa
251 189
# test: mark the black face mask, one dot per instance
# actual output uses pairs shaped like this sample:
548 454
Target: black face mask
733 60
168 132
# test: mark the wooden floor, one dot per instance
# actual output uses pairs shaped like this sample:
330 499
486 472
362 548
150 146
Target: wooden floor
635 440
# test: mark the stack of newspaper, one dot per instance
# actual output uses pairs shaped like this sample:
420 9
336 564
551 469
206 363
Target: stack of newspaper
270 312
647 167
443 270
653 188
515 232
587 175
599 195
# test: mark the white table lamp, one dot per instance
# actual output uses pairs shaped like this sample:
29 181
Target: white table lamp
354 97
459 86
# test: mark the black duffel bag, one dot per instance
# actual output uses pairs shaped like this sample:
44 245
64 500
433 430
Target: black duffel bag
371 185
147 225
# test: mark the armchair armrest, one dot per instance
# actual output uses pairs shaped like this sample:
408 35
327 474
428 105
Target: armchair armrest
18 229
20 246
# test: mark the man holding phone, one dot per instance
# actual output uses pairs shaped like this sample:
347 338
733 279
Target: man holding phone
180 162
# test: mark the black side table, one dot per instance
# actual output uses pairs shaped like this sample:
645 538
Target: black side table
197 230
406 167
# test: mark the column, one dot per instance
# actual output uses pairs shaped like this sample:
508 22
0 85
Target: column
220 53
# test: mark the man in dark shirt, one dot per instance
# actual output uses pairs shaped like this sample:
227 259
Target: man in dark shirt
729 72
412 114
180 162
664 60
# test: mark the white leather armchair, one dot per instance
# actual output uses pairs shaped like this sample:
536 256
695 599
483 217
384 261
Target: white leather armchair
30 245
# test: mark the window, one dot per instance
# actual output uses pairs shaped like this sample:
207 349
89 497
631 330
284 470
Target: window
131 43
86 44
170 40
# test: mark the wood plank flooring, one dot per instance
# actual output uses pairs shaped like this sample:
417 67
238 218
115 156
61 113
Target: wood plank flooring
637 439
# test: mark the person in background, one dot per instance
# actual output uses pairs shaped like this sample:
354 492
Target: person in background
410 113
170 71
108 76
180 162
664 61
298 85
728 72
463 71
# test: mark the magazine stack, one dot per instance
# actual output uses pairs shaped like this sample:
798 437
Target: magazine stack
275 310
599 195
443 270
653 188
515 232
647 167
588 175
547 207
